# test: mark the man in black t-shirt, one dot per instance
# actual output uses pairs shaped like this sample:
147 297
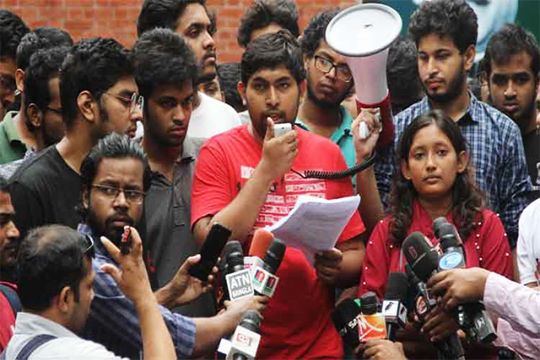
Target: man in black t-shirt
98 95
512 64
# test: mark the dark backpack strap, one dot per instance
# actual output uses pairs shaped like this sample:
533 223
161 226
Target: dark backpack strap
32 345
12 297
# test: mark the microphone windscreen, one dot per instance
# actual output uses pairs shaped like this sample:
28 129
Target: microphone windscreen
420 255
251 320
369 303
437 224
260 243
345 312
274 255
449 236
234 256
397 287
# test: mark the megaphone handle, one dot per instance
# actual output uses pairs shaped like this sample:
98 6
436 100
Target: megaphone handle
386 137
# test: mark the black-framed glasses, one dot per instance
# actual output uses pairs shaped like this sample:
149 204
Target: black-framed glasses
136 102
56 111
343 72
88 245
132 196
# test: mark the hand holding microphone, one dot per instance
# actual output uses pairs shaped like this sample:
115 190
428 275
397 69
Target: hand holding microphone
278 152
366 129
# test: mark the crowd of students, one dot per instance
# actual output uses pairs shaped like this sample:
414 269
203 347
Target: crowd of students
163 141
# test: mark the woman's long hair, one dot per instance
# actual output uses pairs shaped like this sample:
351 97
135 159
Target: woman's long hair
467 198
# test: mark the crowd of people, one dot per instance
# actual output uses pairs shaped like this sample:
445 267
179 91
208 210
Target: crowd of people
162 142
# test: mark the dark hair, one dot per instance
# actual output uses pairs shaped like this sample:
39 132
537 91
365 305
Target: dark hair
94 65
12 30
467 199
272 51
161 57
50 258
4 187
315 32
40 38
402 73
163 14
452 18
265 12
229 77
508 41
44 65
113 146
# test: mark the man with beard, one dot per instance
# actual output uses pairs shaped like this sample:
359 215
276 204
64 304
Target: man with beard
445 33
98 95
189 18
166 73
41 103
329 80
115 177
511 65
244 179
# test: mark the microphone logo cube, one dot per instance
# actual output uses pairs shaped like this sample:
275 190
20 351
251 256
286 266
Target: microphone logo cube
245 342
264 282
239 284
371 327
451 261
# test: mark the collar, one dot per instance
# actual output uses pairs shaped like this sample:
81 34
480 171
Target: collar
31 324
189 150
9 127
469 115
343 130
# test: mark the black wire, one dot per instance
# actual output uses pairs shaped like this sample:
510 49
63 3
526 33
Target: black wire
333 175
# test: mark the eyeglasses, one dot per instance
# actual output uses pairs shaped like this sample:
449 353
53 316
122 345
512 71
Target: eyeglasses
136 102
132 196
8 83
343 72
56 111
88 245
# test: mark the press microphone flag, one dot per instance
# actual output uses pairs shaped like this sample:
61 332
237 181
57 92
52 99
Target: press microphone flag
363 34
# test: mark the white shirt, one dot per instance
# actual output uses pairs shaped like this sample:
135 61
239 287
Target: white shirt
212 117
67 346
528 244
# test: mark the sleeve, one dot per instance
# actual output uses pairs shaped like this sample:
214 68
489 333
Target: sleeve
376 265
29 210
515 303
211 188
111 310
525 346
514 184
495 253
355 226
384 171
525 253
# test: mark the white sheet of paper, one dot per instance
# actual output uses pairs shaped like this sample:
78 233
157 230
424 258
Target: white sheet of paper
314 224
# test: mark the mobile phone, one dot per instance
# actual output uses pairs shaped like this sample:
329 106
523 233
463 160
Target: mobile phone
213 246
125 244
280 129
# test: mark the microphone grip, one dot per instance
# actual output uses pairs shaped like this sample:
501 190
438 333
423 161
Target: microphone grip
391 330
450 348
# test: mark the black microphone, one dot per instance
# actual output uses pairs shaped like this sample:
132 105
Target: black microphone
471 317
234 257
238 278
246 337
344 318
424 262
274 256
264 279
393 308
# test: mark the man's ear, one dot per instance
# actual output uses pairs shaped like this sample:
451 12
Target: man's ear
241 87
19 79
85 197
34 115
405 170
302 86
463 161
87 106
470 54
65 299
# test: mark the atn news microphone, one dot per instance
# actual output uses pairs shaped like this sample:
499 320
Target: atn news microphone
424 262
371 324
264 279
363 34
471 317
344 318
238 278
246 337
393 308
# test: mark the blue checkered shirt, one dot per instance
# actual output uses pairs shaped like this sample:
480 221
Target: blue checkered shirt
113 320
497 156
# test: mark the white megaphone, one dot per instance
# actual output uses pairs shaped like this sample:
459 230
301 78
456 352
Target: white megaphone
363 34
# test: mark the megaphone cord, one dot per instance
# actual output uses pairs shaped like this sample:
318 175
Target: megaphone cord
334 175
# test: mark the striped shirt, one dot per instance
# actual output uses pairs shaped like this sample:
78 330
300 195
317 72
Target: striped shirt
497 155
113 320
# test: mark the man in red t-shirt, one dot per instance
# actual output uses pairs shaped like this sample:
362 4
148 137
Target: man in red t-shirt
9 236
245 179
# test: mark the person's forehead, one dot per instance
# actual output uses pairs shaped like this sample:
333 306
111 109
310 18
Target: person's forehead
272 74
325 50
436 42
125 84
193 14
517 63
5 203
7 66
119 170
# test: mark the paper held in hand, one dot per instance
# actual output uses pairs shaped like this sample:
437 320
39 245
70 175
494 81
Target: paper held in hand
314 224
